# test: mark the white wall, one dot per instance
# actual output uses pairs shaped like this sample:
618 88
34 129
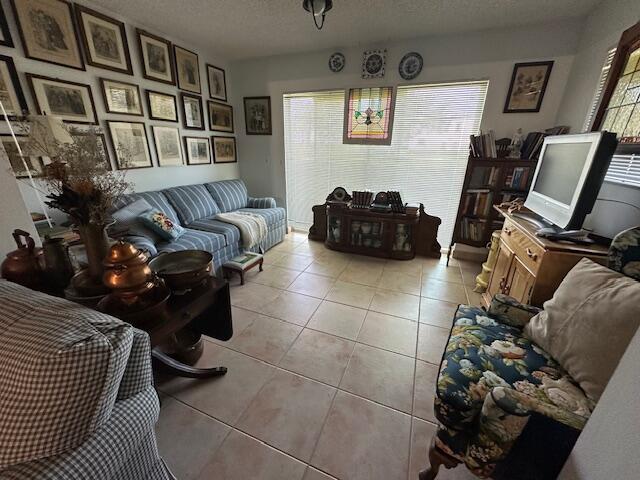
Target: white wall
482 55
602 31
143 179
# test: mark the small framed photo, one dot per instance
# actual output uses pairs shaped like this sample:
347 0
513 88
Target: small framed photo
217 83
197 149
162 106
257 115
528 85
129 141
168 149
121 97
224 149
220 117
192 111
104 39
5 35
70 101
157 57
187 70
34 165
48 31
92 141
10 90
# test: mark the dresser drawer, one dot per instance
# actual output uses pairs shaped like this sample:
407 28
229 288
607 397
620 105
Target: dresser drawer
529 253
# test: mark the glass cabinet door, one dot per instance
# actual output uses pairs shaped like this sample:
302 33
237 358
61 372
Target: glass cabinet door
366 234
334 226
403 238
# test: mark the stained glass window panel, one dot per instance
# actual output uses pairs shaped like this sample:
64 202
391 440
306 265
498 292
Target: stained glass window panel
633 126
369 116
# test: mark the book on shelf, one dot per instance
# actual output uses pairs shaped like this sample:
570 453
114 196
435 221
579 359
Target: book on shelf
483 176
472 229
533 143
483 145
517 178
477 203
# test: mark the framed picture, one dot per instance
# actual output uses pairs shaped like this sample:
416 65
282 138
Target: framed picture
104 39
217 83
220 117
71 101
157 57
121 97
86 139
129 140
257 115
192 111
48 31
224 149
168 149
528 84
187 70
10 90
197 150
5 35
35 165
162 106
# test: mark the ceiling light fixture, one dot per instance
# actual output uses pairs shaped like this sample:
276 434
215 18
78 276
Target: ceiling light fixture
318 8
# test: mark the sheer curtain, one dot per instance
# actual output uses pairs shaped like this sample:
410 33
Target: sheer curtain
425 162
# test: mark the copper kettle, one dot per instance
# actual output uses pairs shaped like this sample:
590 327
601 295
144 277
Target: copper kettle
24 265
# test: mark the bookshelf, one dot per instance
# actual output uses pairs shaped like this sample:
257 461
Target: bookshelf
489 181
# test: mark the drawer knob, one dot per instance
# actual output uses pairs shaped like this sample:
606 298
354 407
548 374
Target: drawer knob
508 231
531 254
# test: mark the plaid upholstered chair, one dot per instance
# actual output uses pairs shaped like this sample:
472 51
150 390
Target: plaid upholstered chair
498 390
76 393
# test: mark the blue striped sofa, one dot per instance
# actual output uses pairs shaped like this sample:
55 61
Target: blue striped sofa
194 207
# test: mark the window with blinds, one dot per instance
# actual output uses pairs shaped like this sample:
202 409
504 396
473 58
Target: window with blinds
624 169
425 162
604 73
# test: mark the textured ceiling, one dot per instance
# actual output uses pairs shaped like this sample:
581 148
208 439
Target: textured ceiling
236 29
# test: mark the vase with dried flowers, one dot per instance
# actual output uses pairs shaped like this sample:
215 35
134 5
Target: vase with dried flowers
80 183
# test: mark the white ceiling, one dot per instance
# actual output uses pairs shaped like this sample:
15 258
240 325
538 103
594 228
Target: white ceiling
236 29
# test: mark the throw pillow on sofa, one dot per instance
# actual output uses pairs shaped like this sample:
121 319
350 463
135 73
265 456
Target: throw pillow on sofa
129 218
162 225
588 323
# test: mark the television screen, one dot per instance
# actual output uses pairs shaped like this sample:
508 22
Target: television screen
560 170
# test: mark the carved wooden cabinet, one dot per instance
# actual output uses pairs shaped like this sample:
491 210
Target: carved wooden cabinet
529 268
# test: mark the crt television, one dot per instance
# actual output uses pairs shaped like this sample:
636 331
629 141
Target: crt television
569 175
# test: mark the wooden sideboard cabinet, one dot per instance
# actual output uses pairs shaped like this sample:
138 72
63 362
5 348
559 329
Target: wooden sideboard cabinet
530 268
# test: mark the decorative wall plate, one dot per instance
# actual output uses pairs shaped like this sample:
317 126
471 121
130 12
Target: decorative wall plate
410 66
336 62
373 62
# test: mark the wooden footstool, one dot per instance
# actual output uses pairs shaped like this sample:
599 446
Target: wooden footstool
241 264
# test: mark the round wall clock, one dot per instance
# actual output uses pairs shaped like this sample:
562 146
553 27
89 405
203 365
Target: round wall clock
410 66
336 62
373 63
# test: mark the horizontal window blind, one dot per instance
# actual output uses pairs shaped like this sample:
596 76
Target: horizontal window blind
425 162
624 169
604 73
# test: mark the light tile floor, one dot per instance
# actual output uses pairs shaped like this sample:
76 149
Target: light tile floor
332 371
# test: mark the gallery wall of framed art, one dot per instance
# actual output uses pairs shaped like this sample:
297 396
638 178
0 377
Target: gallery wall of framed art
96 69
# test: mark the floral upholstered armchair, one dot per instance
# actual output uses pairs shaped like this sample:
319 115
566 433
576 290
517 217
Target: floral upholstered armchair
493 380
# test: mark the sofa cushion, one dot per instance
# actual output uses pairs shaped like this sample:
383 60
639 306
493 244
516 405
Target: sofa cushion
194 240
482 353
155 199
231 232
127 218
61 368
230 195
273 216
192 202
588 323
162 225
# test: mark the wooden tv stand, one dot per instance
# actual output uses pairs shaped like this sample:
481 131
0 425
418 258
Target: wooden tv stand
530 268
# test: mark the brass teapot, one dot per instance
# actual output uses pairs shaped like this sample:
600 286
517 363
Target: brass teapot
126 271
24 265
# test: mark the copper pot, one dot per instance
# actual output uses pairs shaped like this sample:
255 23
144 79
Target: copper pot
126 269
24 265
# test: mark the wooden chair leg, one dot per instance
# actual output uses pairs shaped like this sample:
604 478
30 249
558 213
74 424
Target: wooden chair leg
437 458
